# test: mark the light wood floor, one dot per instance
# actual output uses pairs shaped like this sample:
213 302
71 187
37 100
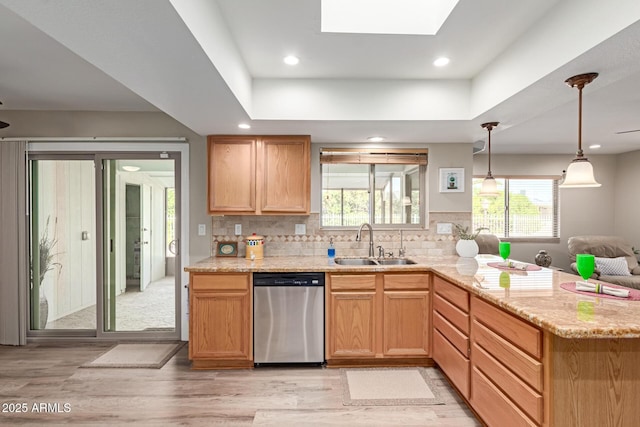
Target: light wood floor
44 373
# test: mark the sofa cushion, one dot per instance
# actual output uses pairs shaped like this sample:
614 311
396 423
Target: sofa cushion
613 266
604 247
627 281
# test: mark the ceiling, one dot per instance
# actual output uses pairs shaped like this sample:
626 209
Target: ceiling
214 64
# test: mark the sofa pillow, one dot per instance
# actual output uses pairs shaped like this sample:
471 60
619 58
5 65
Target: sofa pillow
613 266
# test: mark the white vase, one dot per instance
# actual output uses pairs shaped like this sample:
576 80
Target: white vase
467 248
467 266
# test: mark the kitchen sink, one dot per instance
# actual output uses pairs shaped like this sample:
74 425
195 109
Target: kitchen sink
370 261
395 261
355 261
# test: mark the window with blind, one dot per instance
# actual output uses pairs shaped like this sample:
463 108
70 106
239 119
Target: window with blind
380 187
526 207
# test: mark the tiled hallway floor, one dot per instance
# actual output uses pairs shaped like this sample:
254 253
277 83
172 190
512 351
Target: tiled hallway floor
152 309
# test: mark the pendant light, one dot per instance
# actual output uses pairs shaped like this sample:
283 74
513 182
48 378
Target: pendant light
580 171
3 124
489 187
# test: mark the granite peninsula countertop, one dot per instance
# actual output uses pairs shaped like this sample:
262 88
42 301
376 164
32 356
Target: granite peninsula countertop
532 295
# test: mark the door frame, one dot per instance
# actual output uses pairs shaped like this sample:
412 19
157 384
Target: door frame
101 149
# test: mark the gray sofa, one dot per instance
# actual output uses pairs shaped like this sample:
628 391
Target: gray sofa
606 247
488 243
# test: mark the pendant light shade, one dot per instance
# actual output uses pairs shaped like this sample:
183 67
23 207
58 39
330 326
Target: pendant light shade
3 124
580 171
489 186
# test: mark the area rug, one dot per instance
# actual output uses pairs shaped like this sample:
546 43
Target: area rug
388 387
136 356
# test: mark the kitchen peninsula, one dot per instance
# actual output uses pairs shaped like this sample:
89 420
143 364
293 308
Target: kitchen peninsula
520 349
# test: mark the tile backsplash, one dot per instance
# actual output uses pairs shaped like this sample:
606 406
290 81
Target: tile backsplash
281 240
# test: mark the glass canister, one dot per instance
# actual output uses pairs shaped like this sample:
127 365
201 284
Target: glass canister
255 247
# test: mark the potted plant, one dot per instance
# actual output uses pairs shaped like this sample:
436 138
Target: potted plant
46 248
467 246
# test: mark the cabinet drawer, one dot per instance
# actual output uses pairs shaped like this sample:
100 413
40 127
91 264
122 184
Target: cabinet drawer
453 314
353 282
528 399
523 335
451 333
520 363
406 281
493 406
457 296
219 282
452 363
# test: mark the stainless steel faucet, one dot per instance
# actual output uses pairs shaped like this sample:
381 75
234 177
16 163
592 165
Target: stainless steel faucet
401 251
359 237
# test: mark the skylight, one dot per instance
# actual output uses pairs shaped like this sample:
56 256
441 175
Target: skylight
419 17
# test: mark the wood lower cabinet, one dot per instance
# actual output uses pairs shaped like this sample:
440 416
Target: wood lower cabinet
377 317
507 382
451 343
352 318
220 326
259 175
406 327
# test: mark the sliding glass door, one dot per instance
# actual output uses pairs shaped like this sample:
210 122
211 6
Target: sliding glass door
104 234
63 262
140 291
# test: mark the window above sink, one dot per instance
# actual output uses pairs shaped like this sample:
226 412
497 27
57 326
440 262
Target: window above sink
382 187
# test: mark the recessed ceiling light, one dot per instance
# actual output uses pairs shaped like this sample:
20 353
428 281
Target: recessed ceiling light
291 60
441 62
595 146
244 126
131 168
375 139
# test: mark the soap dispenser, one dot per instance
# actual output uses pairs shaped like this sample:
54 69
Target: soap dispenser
331 252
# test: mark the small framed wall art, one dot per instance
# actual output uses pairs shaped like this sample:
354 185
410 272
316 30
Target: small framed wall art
229 249
452 180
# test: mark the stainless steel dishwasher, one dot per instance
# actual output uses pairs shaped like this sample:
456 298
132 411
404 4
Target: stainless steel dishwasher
288 318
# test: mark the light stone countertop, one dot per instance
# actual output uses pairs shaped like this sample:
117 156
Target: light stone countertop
532 295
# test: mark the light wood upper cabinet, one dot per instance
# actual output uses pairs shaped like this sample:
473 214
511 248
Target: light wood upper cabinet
253 175
232 174
286 174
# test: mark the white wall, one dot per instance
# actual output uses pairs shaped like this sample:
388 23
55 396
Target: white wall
130 124
627 200
71 285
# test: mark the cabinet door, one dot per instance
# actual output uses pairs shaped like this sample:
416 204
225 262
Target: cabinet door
285 174
351 324
406 323
232 175
220 325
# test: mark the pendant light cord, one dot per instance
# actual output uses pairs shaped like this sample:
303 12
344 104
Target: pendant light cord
580 81
489 127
